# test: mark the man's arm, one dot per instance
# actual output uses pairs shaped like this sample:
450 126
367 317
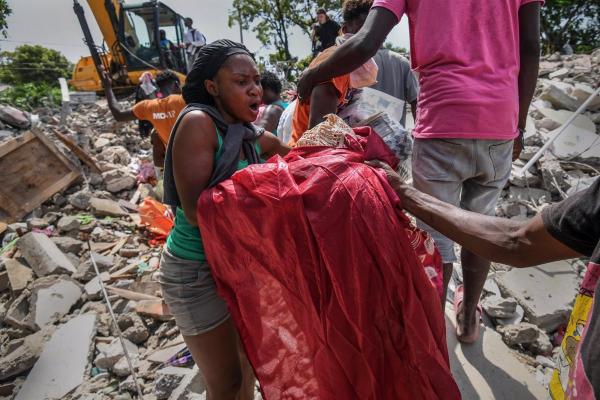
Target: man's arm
529 49
352 54
516 243
270 118
413 109
323 101
114 106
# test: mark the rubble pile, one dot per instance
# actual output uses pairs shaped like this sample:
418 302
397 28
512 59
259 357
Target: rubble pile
531 307
57 339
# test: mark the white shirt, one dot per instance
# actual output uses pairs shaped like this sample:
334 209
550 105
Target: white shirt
194 37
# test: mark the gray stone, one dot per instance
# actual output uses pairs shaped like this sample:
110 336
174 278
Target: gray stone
20 228
561 73
545 361
18 314
80 200
72 344
561 116
521 334
86 271
558 93
545 292
37 223
106 208
18 274
514 320
121 368
93 289
110 354
537 195
115 155
52 298
577 185
528 153
117 180
100 143
541 346
23 357
547 123
554 177
68 244
577 143
523 180
14 117
68 224
133 328
192 386
582 92
513 210
498 307
43 256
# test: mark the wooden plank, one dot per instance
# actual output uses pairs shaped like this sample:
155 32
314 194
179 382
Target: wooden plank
78 151
131 295
33 170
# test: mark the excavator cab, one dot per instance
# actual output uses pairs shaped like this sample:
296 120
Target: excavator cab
138 38
152 37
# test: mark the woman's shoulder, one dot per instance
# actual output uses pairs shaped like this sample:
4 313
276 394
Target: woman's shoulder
196 125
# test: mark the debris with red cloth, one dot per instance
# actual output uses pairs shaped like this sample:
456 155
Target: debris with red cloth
312 256
157 218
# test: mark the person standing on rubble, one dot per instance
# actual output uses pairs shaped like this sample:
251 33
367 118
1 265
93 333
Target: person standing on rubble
568 229
193 39
213 137
161 112
477 64
324 32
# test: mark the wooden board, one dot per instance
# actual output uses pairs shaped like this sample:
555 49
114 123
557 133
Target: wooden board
33 170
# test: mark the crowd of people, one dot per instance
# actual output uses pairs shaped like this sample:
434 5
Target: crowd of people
477 70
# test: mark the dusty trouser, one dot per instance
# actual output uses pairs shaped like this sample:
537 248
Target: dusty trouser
204 322
469 173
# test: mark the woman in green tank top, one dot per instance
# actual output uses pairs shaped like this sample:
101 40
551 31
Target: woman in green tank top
225 77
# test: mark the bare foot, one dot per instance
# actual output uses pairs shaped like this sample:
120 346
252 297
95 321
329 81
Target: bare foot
467 329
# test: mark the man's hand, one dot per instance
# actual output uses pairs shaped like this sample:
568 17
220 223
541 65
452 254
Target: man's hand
104 77
392 177
305 86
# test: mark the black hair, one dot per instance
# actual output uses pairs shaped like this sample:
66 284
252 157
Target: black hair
208 62
269 80
189 19
321 11
354 9
165 77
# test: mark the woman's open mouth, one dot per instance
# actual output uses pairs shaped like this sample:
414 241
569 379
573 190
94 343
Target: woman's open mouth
254 107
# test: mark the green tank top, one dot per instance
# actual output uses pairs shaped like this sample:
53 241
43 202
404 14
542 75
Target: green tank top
184 241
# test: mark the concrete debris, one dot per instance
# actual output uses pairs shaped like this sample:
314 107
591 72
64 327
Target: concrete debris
18 274
133 328
23 357
115 155
43 256
68 244
498 307
529 194
521 334
545 292
68 224
106 208
14 117
80 200
169 379
72 345
52 298
93 289
118 180
110 354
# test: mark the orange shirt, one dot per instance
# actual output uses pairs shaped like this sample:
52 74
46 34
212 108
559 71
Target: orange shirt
302 112
162 113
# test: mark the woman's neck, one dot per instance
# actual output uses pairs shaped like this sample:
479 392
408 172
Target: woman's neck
228 118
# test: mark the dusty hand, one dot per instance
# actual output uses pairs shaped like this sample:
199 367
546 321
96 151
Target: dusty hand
392 177
104 76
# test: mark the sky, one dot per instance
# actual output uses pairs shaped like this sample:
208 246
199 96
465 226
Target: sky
53 24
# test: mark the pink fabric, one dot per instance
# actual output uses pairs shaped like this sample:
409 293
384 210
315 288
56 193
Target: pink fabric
466 53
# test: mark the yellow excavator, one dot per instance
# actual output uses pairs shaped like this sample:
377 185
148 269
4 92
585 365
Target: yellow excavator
138 38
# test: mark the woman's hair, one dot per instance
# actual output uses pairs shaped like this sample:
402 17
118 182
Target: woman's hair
209 60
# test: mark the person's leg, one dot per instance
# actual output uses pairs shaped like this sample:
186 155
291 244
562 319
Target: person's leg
480 194
438 167
221 360
203 320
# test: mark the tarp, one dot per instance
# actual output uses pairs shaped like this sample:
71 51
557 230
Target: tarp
311 254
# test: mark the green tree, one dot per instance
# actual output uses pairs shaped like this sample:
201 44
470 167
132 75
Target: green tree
573 22
5 11
397 49
272 20
33 64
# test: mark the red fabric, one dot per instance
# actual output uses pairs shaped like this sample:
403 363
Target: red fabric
312 256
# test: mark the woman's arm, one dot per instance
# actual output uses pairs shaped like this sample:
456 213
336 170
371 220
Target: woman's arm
271 145
194 150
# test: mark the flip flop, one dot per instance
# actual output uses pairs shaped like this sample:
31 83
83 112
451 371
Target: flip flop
458 300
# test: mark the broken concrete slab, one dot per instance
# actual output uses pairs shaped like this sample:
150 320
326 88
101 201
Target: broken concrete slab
14 117
23 357
562 116
93 289
582 92
528 194
115 155
521 334
18 314
133 328
580 184
19 275
111 353
545 292
43 256
68 224
80 200
191 386
52 298
576 143
559 94
86 272
118 180
68 244
559 73
72 344
163 355
106 208
121 367
514 320
498 307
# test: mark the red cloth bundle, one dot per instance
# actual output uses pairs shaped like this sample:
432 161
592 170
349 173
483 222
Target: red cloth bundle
312 255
